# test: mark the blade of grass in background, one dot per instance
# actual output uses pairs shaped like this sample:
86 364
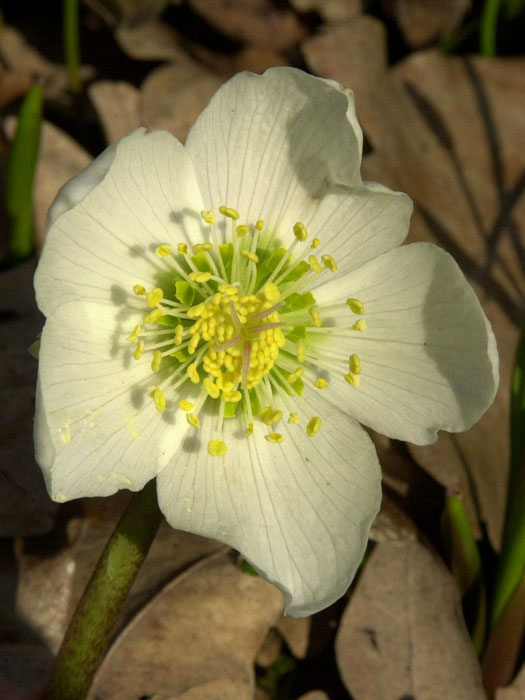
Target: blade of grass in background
20 174
512 560
465 562
489 27
72 44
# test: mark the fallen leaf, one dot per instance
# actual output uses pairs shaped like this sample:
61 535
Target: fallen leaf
423 22
270 649
173 96
256 22
402 633
206 625
151 41
516 690
315 695
296 633
25 507
117 105
449 132
331 11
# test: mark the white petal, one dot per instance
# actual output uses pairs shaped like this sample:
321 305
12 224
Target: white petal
96 430
105 242
270 145
428 357
355 225
299 511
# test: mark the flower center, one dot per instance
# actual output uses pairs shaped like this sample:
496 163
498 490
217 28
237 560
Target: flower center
232 321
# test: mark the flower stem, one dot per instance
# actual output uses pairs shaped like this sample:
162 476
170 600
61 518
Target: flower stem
71 44
89 631
489 24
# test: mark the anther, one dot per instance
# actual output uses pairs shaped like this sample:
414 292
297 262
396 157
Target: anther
139 290
139 350
271 291
230 213
352 379
314 263
259 225
316 242
251 256
301 352
359 325
202 248
313 426
132 337
329 262
315 317
193 420
300 231
274 438
356 306
217 448
208 216
210 388
192 373
200 276
321 383
156 361
186 405
354 364
182 248
154 297
293 419
158 398
163 250
153 316
242 230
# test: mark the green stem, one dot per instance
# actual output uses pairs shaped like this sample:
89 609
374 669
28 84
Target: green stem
89 631
71 44
489 25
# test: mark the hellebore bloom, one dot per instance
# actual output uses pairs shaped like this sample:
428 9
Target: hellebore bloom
222 315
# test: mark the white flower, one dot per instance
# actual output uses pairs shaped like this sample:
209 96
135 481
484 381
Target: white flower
221 315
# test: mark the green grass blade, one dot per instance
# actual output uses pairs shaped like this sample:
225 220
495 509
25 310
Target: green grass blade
512 560
20 174
72 44
489 27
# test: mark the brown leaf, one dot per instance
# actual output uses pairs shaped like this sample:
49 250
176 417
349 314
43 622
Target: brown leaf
204 626
331 11
402 633
425 21
151 41
117 105
516 690
270 649
315 695
25 507
448 131
173 96
256 22
296 633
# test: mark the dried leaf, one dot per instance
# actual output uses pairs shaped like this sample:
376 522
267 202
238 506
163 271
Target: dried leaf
174 95
402 633
516 690
270 649
117 105
296 633
256 22
331 11
204 626
151 41
425 21
25 508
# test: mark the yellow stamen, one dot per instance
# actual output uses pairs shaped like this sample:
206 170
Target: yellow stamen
163 250
242 230
271 291
356 306
329 262
210 388
202 248
259 225
132 337
352 379
193 420
313 426
208 216
251 256
293 419
359 325
195 311
182 248
300 231
249 429
217 448
316 242
229 212
200 276
354 364
233 396
186 405
158 398
292 378
321 383
139 350
192 373
274 437
153 316
315 317
156 361
314 263
139 290
269 417
154 297
301 352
